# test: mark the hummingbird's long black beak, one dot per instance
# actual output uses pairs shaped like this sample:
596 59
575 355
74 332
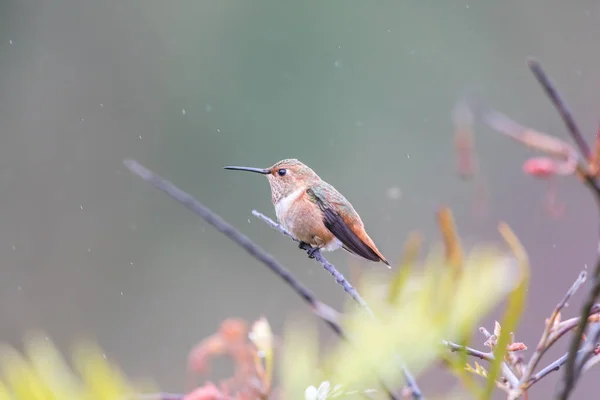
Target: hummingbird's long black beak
263 171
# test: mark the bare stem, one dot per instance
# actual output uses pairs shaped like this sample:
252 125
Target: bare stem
489 356
543 343
560 106
554 366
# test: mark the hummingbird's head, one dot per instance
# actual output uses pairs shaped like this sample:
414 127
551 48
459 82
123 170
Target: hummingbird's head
285 176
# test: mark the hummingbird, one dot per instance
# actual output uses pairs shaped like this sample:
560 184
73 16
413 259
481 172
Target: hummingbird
314 212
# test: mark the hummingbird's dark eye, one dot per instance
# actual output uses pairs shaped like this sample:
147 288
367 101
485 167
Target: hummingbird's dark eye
282 171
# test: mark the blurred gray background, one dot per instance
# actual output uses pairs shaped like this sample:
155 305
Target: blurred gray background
360 91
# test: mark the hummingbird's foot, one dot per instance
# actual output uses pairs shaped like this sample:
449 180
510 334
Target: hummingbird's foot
308 248
311 252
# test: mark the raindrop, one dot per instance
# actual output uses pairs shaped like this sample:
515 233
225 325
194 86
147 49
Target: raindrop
10 42
121 293
101 105
248 220
394 193
218 130
337 63
14 247
208 108
408 156
19 288
89 250
81 207
139 136
132 264
183 111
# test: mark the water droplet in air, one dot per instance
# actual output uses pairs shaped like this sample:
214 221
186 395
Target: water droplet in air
81 207
218 130
394 193
183 111
337 63
208 108
10 42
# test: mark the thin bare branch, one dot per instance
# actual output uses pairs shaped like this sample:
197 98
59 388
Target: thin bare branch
591 363
589 347
561 107
554 366
487 356
543 343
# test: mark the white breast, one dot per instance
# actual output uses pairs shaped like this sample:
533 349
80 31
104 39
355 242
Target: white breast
284 204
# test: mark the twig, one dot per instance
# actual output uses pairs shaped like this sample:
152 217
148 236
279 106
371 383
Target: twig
321 309
555 366
411 383
543 343
592 362
571 369
560 106
489 356
339 278
589 346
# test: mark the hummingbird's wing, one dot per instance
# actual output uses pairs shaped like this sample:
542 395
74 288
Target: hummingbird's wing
345 223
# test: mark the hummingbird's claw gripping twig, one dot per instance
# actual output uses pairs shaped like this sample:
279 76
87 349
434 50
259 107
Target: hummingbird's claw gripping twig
311 252
308 248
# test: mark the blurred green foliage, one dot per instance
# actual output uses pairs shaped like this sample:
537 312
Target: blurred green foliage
41 373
